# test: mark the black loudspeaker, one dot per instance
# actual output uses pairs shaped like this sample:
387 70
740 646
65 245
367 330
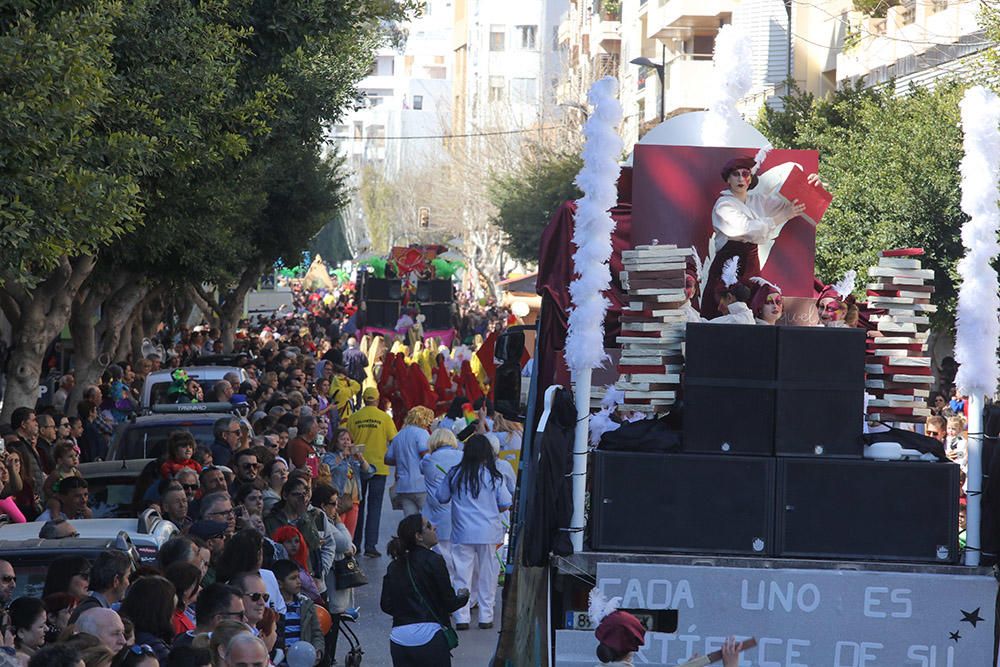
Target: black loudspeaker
871 510
821 392
825 356
430 291
722 351
383 289
438 316
819 422
382 314
726 419
682 503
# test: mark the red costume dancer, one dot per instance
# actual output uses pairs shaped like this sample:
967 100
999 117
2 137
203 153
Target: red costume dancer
469 383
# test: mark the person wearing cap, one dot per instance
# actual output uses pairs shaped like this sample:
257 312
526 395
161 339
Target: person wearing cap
765 301
620 634
836 305
371 430
742 220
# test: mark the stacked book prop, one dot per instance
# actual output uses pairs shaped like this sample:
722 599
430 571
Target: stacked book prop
897 367
652 327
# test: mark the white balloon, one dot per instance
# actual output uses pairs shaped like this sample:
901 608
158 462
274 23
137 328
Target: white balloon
301 654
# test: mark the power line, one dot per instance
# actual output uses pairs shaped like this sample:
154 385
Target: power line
459 136
919 42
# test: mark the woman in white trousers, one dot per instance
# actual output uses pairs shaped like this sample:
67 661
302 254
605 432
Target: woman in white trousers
478 497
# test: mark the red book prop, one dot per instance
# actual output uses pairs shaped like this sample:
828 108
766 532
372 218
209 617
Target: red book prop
815 197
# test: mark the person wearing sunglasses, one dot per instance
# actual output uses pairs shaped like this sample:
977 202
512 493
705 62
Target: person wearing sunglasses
743 220
139 655
258 615
8 583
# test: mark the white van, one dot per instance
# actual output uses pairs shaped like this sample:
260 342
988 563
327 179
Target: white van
154 390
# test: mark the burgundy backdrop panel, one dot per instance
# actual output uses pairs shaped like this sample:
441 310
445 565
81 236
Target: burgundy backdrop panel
675 187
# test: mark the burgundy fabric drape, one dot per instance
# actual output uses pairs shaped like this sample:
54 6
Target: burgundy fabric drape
555 272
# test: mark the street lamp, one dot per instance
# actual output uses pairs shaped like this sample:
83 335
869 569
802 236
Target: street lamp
660 71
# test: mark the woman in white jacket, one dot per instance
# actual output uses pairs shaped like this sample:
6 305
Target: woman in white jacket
478 496
444 455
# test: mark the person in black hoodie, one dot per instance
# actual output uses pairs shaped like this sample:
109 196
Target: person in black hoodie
417 593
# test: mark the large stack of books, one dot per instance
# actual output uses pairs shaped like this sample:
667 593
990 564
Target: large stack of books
897 366
652 327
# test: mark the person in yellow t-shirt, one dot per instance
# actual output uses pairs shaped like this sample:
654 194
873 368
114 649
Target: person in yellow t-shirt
372 430
342 392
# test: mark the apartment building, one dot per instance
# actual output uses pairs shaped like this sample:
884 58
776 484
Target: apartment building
916 42
507 63
404 111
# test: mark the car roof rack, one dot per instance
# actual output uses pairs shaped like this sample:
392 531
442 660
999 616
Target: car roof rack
240 409
186 408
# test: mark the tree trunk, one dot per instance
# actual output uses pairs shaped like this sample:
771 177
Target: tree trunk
38 317
232 307
229 307
97 342
206 303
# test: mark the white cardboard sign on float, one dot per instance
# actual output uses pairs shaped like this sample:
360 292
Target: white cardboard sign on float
803 618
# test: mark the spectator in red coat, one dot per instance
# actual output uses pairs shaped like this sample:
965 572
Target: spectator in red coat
180 449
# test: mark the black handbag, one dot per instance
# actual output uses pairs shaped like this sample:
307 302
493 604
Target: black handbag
348 574
449 632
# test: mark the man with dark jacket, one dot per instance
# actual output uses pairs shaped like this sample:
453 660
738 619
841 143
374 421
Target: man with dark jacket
108 581
227 440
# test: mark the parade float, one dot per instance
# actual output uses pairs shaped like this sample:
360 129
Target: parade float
758 480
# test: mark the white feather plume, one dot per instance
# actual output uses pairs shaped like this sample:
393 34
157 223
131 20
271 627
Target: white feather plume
613 397
730 271
697 265
845 287
600 424
600 606
594 225
732 78
978 303
758 159
763 282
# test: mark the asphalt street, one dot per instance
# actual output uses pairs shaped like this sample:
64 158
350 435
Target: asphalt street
476 647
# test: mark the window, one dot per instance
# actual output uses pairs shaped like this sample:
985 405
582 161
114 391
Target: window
909 13
528 35
497 35
418 102
497 87
357 129
523 90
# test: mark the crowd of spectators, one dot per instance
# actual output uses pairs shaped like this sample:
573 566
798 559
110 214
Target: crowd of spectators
274 513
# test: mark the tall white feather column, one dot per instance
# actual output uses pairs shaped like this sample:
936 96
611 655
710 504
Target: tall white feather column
977 324
598 180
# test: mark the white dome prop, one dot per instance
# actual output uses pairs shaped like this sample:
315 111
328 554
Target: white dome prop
686 130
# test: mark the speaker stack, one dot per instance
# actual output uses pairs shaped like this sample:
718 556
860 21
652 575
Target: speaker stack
436 299
773 461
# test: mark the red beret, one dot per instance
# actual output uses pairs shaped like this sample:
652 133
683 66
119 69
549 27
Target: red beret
621 631
737 163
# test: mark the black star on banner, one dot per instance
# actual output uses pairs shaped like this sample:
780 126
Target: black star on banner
954 636
972 617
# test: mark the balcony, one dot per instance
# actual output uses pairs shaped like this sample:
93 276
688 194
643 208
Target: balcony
685 80
677 18
605 32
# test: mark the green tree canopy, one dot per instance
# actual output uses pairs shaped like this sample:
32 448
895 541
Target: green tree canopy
891 164
527 196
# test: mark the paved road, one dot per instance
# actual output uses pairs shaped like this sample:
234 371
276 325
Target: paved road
476 647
